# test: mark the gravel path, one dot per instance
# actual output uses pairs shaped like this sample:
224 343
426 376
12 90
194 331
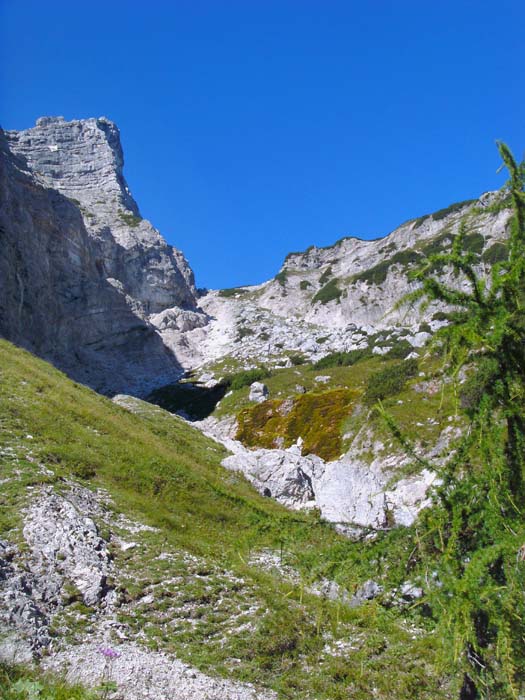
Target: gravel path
141 674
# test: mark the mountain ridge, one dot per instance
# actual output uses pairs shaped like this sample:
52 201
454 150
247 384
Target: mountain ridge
337 292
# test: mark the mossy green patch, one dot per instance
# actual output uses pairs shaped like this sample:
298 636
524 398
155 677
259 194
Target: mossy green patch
315 417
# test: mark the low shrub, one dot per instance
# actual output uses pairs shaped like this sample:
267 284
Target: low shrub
378 274
130 219
343 359
476 385
329 292
326 275
399 350
244 332
390 381
442 213
231 292
495 253
451 209
474 242
246 377
281 277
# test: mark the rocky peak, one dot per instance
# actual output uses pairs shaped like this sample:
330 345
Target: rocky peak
82 159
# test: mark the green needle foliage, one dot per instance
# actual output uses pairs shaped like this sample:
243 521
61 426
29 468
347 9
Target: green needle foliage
476 532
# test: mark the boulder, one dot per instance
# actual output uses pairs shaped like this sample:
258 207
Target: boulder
258 392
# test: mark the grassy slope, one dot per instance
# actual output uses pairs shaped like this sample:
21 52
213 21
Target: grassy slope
164 473
423 409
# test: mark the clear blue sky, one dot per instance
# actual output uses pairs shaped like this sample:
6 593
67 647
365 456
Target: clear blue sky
254 128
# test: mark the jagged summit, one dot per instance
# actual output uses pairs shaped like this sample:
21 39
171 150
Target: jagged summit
82 273
82 159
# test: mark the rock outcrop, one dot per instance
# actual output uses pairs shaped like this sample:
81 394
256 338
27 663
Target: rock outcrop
348 492
351 492
81 272
83 160
65 544
64 558
64 563
333 299
258 392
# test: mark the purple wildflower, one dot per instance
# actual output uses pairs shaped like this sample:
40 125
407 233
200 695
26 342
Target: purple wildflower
109 653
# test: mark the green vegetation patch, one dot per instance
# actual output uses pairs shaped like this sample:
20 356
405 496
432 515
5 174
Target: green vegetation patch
342 359
304 284
473 242
390 380
378 274
497 252
329 292
327 274
23 683
246 377
442 213
437 244
281 277
232 292
244 332
315 417
130 219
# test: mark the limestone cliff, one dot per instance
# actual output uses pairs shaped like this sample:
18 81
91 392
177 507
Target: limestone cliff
83 160
77 279
334 298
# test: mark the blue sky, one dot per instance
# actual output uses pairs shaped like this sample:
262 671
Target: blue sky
251 129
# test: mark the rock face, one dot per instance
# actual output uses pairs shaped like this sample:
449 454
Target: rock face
65 560
351 492
258 392
23 623
66 544
346 491
333 299
83 160
141 674
65 557
81 272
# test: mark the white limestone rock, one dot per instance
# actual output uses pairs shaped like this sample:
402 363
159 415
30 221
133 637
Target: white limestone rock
258 392
284 475
65 544
83 160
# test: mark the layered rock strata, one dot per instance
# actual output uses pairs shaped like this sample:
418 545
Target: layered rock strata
81 272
